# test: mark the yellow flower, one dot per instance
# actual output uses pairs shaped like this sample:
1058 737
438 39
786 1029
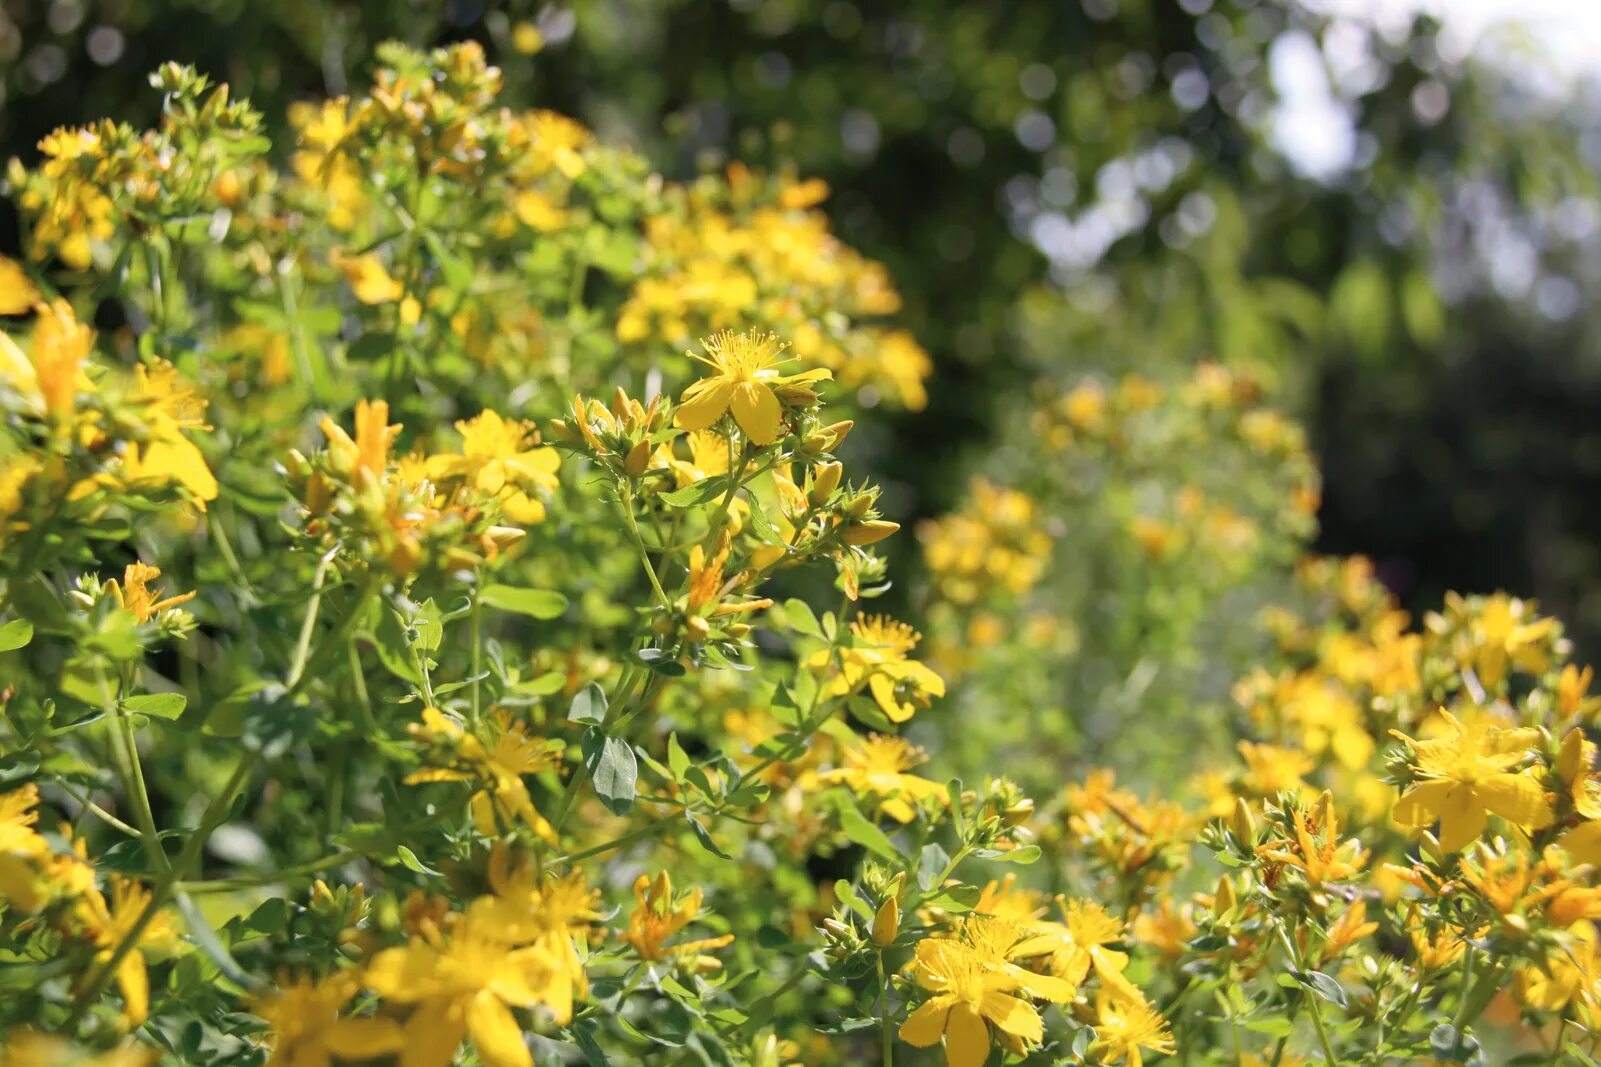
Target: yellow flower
1079 944
1436 950
877 658
1504 637
52 373
878 765
108 925
967 994
366 456
136 596
657 917
1271 769
17 820
539 909
747 382
1124 1026
463 985
1001 943
29 1049
497 771
526 38
17 291
1467 775
1320 860
307 1030
1575 764
538 211
172 407
1351 928
1572 972
369 280
1583 842
1004 900
498 458
1572 685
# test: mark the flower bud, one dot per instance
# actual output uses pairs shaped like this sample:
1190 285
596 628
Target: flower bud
1019 813
638 459
870 532
837 929
796 394
837 432
1242 824
503 537
563 430
825 479
699 629
1224 900
887 923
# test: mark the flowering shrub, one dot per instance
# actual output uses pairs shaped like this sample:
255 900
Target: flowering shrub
410 656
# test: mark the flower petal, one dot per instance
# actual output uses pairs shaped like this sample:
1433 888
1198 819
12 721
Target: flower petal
1462 818
1015 1016
1420 805
432 1035
1583 842
363 1039
1517 798
703 403
925 1025
967 1039
495 1033
758 413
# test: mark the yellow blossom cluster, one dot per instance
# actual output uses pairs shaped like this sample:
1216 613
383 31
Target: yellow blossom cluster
721 251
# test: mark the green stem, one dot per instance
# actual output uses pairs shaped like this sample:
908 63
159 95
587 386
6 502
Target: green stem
639 543
1405 1012
101 813
616 718
887 1028
215 812
297 335
476 624
1312 999
227 885
308 625
650 829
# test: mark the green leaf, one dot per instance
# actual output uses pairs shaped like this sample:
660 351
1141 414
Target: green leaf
429 626
705 490
409 860
799 615
658 660
539 603
15 634
704 837
676 759
856 826
612 768
1025 855
1271 1025
583 1031
931 862
1324 986
846 894
589 705
157 705
762 525
457 274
